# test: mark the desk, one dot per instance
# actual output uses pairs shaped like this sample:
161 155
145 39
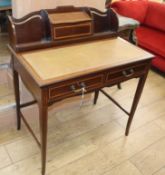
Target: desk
54 74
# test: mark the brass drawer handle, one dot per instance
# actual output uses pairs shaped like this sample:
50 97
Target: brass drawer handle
128 73
82 89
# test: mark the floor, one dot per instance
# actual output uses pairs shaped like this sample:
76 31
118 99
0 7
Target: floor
88 140
6 88
4 56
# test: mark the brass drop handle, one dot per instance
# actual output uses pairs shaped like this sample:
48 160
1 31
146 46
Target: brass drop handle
73 88
82 84
82 89
128 73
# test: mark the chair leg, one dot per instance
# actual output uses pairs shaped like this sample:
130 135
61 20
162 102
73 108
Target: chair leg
119 85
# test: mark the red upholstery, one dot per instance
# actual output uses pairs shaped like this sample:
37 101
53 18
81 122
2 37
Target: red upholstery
159 63
133 9
151 33
151 39
155 16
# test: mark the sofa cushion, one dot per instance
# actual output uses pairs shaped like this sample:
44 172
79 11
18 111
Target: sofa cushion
155 16
159 63
131 9
151 39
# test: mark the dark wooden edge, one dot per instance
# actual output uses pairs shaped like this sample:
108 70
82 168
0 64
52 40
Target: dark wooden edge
106 83
23 105
15 20
12 32
109 15
107 3
63 9
114 22
14 24
30 129
49 44
31 84
114 101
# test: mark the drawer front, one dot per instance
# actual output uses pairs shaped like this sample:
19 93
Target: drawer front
69 31
125 73
72 88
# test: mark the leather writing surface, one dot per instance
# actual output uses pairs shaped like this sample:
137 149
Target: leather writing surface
56 63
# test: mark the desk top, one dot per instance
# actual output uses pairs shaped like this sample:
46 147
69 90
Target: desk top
55 64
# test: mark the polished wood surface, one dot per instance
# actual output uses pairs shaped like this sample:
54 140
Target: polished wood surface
71 24
46 35
69 17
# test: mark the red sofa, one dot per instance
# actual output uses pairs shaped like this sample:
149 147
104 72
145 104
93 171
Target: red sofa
151 32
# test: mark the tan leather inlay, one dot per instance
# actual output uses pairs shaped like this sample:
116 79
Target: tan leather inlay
64 62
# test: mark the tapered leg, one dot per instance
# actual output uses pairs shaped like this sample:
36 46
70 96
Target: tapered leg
17 97
43 116
96 96
135 102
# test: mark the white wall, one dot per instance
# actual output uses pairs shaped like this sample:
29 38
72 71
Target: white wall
23 7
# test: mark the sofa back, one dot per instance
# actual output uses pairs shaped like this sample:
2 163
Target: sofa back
155 16
135 9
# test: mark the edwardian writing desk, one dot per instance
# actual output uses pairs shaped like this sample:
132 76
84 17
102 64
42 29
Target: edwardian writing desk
55 73
50 74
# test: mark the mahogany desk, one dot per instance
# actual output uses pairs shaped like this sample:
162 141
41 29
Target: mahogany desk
54 74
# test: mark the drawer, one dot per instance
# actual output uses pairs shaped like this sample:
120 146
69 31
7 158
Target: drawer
71 31
74 87
125 73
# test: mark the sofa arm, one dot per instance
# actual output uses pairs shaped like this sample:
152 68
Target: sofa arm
127 27
125 22
131 9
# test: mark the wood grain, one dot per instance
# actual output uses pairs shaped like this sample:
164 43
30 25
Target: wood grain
69 17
